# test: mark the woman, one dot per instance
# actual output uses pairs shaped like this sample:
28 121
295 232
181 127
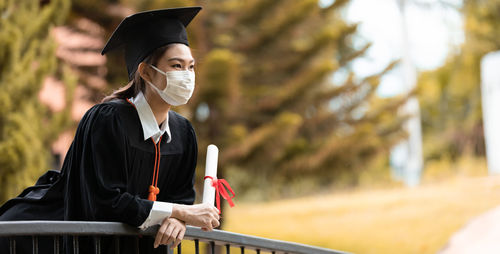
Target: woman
132 159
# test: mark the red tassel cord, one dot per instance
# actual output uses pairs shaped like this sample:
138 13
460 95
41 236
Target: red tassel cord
153 188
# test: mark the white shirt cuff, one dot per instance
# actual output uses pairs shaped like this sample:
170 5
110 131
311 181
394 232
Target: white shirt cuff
158 213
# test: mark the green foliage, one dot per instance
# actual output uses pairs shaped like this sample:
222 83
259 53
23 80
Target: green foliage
27 56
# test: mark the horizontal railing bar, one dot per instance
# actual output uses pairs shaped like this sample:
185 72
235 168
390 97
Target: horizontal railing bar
253 242
220 237
22 228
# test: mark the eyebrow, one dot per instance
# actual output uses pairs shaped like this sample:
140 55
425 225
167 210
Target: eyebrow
179 59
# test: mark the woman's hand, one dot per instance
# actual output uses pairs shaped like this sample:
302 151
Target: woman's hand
171 231
201 215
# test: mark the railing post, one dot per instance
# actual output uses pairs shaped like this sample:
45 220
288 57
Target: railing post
34 240
212 247
76 248
116 240
98 245
168 250
56 244
12 245
196 246
136 244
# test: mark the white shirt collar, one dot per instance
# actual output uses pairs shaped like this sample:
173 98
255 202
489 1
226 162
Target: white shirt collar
148 121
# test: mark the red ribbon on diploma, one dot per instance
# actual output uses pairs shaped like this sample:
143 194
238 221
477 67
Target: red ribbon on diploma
220 186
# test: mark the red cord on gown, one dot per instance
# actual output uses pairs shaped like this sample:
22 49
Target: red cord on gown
153 188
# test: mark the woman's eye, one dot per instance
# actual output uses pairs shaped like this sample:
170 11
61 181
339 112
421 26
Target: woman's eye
191 67
176 66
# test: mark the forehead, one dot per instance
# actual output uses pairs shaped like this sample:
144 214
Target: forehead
179 51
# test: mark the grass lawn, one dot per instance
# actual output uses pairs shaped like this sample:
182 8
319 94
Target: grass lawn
397 220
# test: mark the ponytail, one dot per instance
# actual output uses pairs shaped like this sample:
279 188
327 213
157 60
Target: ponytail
130 90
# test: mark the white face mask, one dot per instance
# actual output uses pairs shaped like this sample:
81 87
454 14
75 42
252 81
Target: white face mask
179 88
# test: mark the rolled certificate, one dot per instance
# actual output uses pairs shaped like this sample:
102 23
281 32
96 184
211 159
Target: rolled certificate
210 170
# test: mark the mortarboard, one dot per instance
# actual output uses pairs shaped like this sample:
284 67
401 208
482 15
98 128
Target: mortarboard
143 32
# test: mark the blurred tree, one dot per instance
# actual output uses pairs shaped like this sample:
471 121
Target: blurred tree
451 95
267 96
27 57
96 20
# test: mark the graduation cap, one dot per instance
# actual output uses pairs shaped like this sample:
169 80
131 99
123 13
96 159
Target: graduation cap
143 32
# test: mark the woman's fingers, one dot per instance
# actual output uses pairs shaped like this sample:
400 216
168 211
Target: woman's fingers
214 211
171 232
215 223
179 238
200 215
160 233
208 225
164 233
172 235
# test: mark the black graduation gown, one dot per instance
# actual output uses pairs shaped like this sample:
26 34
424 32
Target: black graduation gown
107 173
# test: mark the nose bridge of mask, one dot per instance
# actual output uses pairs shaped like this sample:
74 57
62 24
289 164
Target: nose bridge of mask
174 74
185 75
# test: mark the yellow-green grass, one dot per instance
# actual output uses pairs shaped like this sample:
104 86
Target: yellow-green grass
397 220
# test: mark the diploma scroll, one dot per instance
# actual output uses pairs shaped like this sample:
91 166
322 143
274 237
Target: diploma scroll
210 170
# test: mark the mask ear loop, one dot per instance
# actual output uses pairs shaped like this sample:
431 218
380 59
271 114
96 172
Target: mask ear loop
163 73
158 70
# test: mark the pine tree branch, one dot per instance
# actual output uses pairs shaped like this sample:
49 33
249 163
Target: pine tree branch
269 31
334 7
323 44
357 53
266 133
295 86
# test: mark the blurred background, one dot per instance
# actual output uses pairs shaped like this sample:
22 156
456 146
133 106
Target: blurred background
360 125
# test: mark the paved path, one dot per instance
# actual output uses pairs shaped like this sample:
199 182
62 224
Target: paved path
480 235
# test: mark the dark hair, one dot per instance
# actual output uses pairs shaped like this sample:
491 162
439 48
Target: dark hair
137 84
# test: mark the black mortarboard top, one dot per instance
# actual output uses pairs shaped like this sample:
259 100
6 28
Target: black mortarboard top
143 32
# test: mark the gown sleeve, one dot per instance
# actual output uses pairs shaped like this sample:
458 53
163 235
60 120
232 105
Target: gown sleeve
101 179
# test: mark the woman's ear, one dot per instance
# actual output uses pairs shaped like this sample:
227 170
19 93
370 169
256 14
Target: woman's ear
143 71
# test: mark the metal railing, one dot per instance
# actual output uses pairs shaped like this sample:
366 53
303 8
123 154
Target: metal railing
75 229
